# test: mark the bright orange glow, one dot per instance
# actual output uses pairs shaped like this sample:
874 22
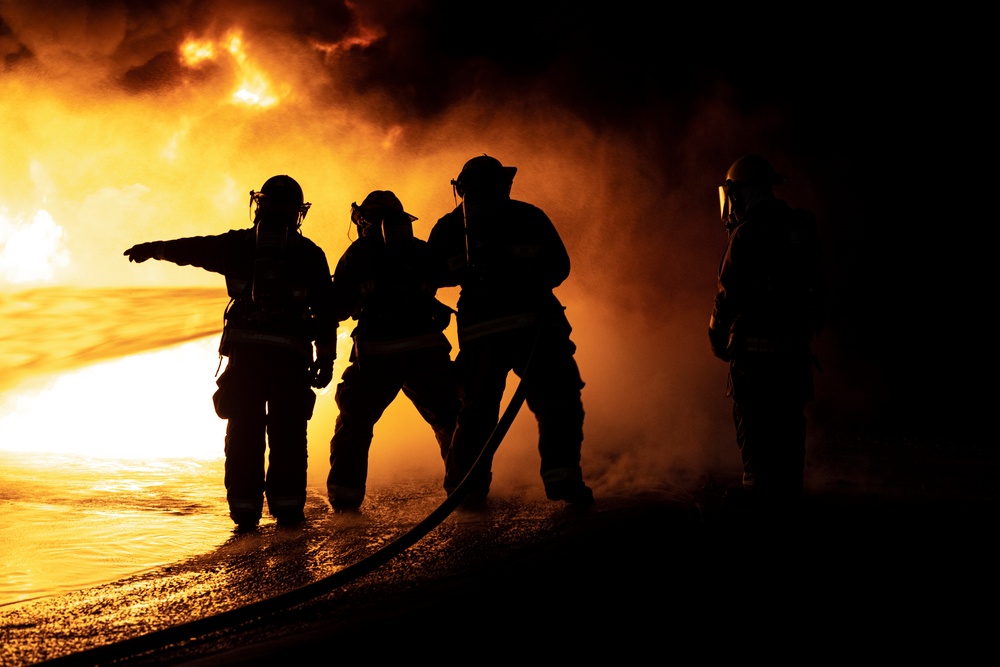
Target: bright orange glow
126 408
330 49
254 92
31 252
194 52
394 134
234 44
254 87
92 166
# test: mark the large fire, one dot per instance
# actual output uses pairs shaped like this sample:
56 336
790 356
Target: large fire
254 87
116 168
123 125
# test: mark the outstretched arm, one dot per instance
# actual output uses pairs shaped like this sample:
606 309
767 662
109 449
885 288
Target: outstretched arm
219 254
140 252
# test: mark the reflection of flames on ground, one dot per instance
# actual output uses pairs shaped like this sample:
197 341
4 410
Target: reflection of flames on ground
110 372
52 330
98 372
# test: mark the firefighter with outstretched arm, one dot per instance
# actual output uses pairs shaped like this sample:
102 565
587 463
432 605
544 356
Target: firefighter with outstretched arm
279 337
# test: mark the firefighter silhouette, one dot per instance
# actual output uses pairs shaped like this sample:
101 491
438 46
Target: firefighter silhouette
279 338
769 306
508 257
385 281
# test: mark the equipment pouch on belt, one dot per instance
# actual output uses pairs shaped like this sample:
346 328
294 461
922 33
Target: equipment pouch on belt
225 397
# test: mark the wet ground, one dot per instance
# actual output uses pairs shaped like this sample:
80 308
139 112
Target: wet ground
893 557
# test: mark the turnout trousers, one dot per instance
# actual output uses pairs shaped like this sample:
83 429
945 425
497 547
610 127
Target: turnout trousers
552 392
426 376
769 393
265 394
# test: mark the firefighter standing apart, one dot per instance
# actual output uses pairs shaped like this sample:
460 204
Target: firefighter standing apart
279 337
508 257
770 304
385 281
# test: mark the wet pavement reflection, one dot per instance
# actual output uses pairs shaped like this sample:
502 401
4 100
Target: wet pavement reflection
252 567
652 571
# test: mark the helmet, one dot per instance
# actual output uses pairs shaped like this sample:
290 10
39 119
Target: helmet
380 208
753 170
484 172
281 195
748 178
283 189
378 205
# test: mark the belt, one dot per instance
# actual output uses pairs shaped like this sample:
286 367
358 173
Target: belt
260 338
402 344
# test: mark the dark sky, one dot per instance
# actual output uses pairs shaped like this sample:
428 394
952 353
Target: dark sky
871 117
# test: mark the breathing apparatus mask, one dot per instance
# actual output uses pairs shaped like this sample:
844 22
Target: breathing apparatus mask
279 202
728 194
746 180
382 214
280 210
483 185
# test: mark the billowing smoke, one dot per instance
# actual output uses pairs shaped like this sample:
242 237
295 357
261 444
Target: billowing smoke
130 121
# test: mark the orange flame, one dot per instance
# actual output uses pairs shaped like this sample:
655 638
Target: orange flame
254 88
330 49
194 52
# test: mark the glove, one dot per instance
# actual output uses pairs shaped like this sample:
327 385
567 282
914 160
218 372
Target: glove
139 253
321 372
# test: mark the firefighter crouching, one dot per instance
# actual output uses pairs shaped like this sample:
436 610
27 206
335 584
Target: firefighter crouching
769 305
279 339
385 282
508 257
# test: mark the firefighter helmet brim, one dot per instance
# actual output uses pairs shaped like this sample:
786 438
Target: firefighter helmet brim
753 170
483 171
378 205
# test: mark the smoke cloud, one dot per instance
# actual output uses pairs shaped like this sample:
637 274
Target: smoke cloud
131 121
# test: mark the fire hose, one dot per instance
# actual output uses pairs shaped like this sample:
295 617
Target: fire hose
257 611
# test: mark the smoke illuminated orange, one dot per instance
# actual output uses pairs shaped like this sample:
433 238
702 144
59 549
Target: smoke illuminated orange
254 87
92 166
